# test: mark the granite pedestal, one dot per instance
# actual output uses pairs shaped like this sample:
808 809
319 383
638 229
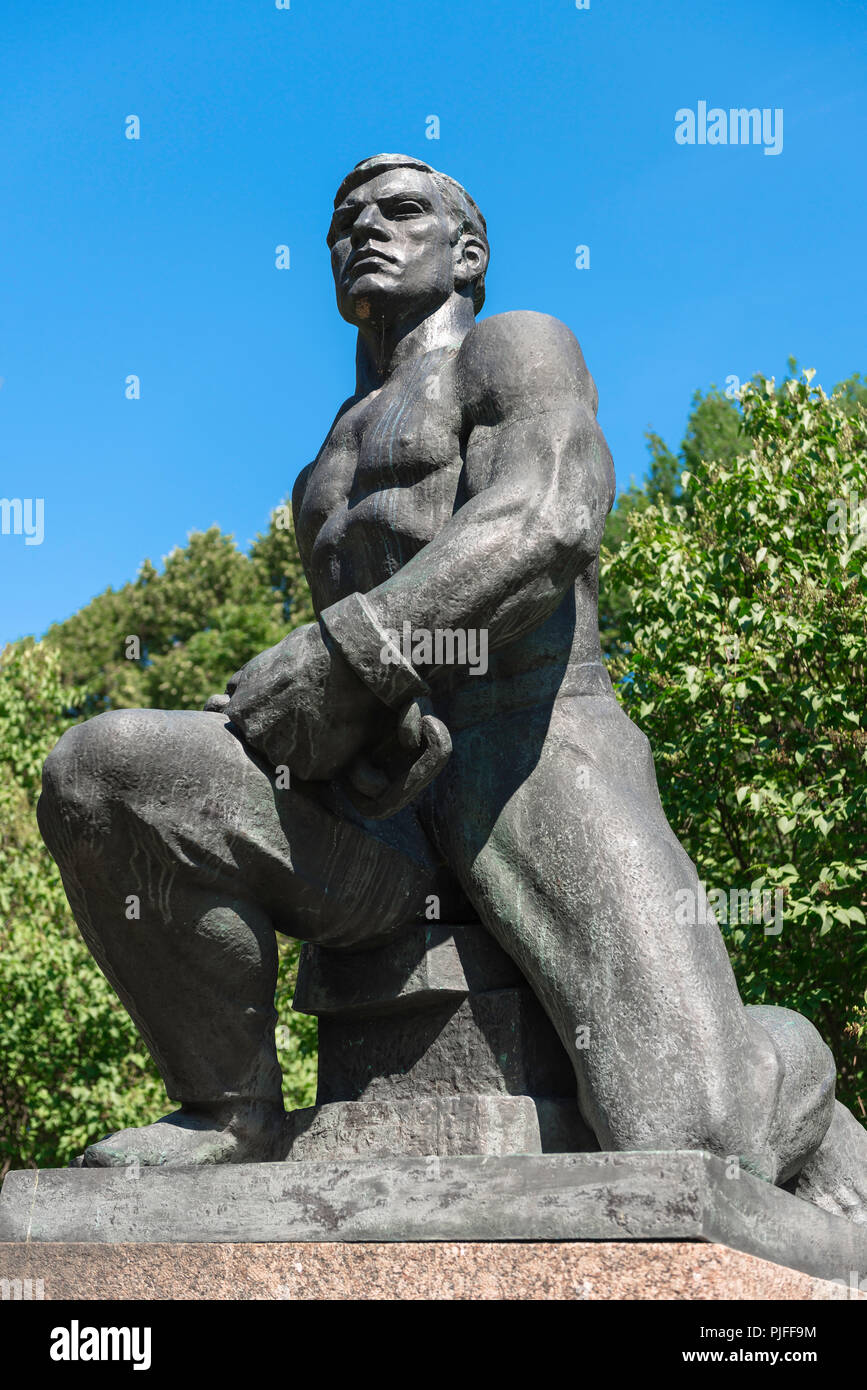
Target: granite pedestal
524 1197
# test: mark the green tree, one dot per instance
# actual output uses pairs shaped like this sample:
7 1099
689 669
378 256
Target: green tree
71 1063
851 394
748 647
713 432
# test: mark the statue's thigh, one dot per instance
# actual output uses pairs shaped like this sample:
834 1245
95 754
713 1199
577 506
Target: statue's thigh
180 789
577 872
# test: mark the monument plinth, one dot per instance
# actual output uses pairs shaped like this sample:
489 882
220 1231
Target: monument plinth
520 1197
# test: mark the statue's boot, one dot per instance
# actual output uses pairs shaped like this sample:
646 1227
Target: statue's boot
835 1178
231 1133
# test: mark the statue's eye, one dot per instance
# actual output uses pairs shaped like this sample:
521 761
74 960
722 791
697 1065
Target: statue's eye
408 209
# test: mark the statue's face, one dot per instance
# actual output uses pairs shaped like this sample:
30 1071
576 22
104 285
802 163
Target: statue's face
390 249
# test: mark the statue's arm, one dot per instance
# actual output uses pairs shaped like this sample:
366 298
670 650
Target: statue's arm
538 483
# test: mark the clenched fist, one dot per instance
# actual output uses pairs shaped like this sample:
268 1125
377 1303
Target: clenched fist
303 707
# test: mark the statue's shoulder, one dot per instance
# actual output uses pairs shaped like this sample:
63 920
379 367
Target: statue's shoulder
520 325
520 358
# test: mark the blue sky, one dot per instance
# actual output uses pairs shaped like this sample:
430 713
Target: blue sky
156 256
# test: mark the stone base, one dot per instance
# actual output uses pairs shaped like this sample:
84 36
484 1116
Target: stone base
602 1270
447 1126
525 1197
433 1044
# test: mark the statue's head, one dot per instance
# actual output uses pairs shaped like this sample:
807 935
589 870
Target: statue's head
404 239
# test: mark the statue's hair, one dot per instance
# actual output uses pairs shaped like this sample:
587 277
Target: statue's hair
460 206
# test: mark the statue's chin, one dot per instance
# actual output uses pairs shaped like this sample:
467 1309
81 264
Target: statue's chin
373 298
369 301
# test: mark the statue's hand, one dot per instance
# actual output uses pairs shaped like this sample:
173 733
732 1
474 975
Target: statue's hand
215 704
302 705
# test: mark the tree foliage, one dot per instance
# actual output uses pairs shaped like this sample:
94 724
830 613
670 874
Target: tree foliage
71 1061
712 433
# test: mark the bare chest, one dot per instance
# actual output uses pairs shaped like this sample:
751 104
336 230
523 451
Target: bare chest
384 483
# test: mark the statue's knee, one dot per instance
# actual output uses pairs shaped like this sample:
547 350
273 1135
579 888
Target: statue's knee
86 769
805 1104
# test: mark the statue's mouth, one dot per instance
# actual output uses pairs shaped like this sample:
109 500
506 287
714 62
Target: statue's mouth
369 259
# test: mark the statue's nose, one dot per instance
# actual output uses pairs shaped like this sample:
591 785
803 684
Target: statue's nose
368 223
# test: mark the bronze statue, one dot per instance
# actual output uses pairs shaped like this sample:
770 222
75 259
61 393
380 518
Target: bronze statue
348 773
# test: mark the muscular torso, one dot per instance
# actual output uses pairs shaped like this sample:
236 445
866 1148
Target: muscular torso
385 482
388 478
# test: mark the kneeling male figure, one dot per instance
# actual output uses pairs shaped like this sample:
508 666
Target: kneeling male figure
463 487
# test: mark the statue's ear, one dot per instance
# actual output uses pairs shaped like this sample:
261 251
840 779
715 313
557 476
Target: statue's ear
470 259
